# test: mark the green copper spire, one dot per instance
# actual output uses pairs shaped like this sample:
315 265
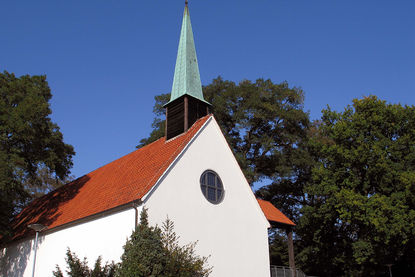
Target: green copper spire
186 74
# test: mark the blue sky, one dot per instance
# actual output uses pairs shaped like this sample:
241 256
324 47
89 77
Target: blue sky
106 60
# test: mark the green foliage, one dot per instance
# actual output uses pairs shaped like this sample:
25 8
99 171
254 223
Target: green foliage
361 210
47 182
78 268
159 123
278 250
143 253
263 123
29 143
181 261
151 251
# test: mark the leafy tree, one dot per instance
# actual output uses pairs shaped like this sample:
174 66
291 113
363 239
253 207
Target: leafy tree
48 182
361 210
290 196
78 268
182 261
151 251
278 250
262 121
159 123
29 143
143 253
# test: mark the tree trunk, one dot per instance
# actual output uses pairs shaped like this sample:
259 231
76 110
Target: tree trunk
291 260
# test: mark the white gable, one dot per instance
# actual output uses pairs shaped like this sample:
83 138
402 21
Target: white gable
234 232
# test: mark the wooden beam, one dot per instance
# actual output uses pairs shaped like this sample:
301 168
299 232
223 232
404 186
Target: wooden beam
186 113
291 260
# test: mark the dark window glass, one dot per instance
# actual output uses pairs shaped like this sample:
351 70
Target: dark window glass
219 192
211 194
211 186
211 179
218 182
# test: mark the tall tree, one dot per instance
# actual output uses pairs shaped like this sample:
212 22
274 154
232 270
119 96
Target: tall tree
29 143
47 181
361 210
263 123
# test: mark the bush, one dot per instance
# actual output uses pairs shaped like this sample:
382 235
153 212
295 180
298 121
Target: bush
152 251
78 268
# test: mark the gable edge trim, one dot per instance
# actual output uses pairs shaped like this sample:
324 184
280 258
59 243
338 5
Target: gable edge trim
171 165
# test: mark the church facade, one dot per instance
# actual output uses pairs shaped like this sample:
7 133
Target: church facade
190 176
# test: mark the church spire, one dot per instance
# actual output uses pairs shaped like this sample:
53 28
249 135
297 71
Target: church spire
186 103
186 74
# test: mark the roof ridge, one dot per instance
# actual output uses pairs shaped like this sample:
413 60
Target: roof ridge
178 150
146 146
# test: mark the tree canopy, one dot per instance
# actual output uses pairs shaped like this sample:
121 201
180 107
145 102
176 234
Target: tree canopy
78 268
263 123
151 251
361 210
31 145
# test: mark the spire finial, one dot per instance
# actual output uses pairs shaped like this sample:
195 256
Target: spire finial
186 2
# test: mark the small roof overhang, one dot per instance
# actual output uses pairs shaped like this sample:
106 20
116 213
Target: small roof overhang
273 214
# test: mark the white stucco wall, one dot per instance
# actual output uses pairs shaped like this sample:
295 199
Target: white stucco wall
234 233
104 236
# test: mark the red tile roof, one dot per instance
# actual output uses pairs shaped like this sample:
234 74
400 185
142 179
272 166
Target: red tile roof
120 182
273 214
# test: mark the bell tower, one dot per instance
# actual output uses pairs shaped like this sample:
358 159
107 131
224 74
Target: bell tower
186 103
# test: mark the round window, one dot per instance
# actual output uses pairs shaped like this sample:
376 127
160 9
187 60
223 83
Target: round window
211 186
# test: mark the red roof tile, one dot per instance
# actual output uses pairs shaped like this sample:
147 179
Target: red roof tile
120 182
273 214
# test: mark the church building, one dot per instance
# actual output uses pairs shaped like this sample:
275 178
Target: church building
190 175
